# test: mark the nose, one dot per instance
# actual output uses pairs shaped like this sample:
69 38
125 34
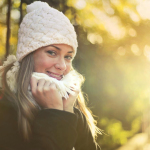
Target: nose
61 64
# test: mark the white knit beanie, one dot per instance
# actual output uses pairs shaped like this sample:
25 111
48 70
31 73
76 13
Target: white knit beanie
42 26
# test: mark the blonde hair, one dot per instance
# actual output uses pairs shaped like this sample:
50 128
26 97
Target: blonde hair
24 102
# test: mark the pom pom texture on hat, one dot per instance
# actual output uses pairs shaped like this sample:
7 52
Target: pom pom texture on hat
42 26
36 5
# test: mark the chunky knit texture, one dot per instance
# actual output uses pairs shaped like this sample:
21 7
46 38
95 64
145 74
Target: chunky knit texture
42 26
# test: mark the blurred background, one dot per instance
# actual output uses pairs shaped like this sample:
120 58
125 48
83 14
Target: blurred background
114 57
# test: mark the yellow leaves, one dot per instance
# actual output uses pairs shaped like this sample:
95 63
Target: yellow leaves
24 5
2 51
2 40
16 3
13 41
115 130
71 3
104 121
3 30
68 13
136 124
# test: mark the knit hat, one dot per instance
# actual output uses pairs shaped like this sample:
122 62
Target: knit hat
42 26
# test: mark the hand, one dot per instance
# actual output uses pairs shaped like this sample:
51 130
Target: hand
69 103
46 94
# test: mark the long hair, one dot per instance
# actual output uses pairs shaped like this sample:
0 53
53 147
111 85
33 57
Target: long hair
24 101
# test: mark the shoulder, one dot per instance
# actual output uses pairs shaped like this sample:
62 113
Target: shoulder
79 114
82 121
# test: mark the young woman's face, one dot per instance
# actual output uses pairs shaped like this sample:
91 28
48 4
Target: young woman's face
54 60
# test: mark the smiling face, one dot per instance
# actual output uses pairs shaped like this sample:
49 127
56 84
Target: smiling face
54 60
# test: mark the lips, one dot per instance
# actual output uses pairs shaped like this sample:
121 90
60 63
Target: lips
54 75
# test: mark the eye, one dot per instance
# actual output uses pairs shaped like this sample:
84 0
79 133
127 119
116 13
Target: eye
51 53
69 57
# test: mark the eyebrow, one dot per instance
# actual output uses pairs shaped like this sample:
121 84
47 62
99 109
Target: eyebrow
60 49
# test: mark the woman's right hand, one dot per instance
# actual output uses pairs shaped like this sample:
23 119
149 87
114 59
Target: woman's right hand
46 94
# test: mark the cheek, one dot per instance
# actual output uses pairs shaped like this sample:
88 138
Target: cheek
41 64
68 67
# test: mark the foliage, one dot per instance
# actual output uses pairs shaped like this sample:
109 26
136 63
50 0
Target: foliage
113 55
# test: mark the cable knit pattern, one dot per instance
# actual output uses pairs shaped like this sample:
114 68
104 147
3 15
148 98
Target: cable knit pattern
42 26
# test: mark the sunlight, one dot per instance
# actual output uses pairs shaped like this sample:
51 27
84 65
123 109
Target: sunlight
147 51
121 50
115 2
95 38
112 24
135 49
143 9
15 14
135 142
147 147
1 2
107 7
80 4
132 32
132 14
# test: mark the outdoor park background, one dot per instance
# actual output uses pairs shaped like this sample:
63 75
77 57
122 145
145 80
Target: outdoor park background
113 55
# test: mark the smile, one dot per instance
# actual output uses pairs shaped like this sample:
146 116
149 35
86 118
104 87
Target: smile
53 75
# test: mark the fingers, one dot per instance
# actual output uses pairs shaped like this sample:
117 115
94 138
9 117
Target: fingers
40 86
33 83
46 86
46 94
37 87
49 87
76 92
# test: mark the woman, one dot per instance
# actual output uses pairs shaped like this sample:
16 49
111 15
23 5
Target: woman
34 113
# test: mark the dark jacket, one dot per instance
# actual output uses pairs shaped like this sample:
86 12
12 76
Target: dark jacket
52 130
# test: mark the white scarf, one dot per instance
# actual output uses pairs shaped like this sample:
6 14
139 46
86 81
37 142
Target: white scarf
66 85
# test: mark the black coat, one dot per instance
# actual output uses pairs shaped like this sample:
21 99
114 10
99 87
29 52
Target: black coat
52 130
